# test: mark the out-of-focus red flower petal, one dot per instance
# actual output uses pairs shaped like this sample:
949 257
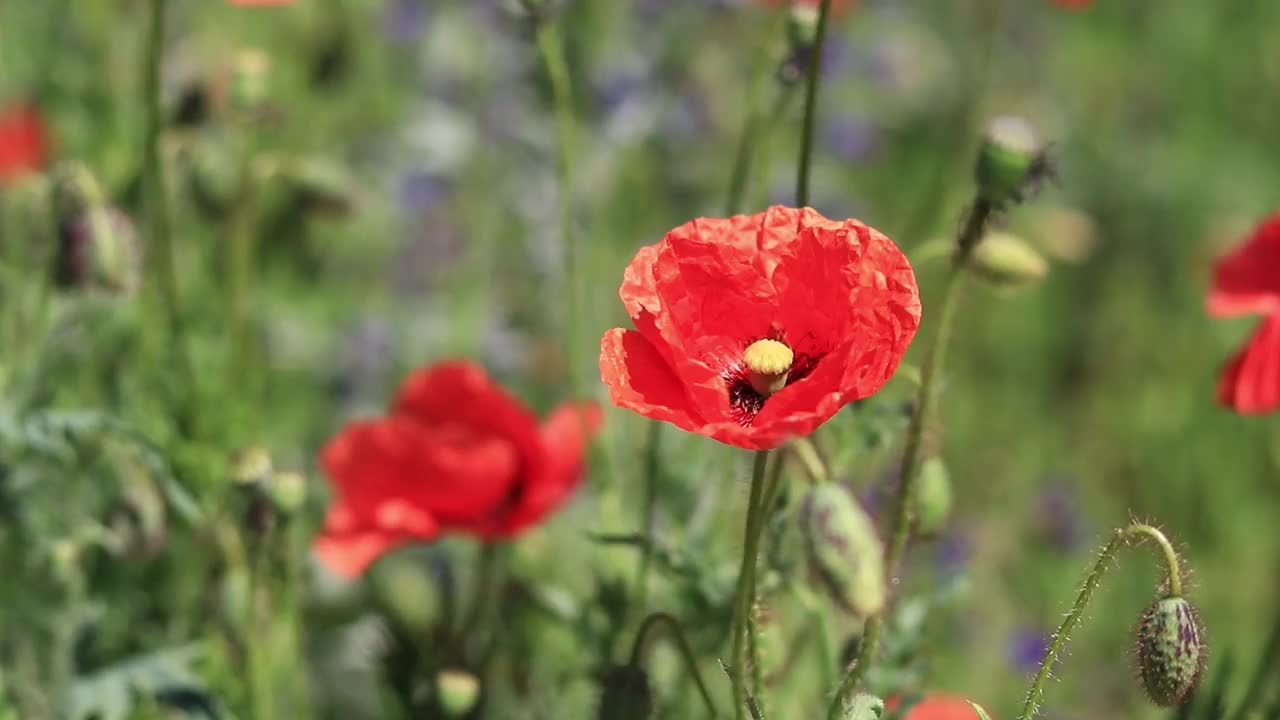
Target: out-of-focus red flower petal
350 553
461 392
1250 382
1247 280
639 379
565 434
23 142
386 470
936 707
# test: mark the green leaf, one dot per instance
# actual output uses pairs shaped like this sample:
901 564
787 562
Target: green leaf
982 714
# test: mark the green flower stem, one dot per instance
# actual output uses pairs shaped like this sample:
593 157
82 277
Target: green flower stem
551 52
163 273
771 487
241 243
686 652
482 586
746 583
652 470
810 106
974 227
1134 532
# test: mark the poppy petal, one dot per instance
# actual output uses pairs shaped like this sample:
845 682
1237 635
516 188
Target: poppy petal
1250 382
350 554
639 379
1247 280
565 434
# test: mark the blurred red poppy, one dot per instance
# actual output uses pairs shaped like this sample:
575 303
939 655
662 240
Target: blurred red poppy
936 707
456 453
757 328
1247 282
23 142
1073 4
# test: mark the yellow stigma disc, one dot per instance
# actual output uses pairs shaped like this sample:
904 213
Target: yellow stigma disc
768 357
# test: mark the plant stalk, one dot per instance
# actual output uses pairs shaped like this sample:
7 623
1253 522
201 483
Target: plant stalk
811 106
746 583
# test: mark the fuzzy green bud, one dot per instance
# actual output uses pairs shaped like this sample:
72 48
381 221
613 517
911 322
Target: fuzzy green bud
1006 261
844 549
933 497
802 26
1008 159
626 695
288 490
251 465
457 692
250 81
1170 650
864 706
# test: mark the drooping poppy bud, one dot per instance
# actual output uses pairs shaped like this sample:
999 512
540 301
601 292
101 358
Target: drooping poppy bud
1171 650
626 695
844 549
1006 261
457 692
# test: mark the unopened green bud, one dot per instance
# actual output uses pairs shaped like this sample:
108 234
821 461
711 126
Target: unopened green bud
1006 261
802 26
626 695
844 549
98 248
250 81
1171 650
864 706
289 490
1008 159
458 692
933 497
251 465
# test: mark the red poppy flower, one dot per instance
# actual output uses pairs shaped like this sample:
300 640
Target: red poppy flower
1247 282
23 142
758 328
936 707
456 453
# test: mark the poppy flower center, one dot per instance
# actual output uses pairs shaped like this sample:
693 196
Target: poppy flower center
768 362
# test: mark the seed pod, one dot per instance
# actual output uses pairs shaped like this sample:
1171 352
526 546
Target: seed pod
933 497
844 549
1006 261
1008 160
626 695
457 692
1170 650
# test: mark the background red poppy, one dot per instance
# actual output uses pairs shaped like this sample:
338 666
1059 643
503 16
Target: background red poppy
456 453
1247 282
23 141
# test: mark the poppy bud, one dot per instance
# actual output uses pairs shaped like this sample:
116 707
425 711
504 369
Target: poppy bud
98 248
288 490
250 81
844 549
933 497
1006 261
458 691
1170 650
802 26
626 695
1010 160
864 706
251 465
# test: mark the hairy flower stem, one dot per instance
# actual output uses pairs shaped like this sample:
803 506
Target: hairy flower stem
970 234
163 272
551 52
811 106
746 583
1122 536
686 652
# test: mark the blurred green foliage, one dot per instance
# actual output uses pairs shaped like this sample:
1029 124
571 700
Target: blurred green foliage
399 175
